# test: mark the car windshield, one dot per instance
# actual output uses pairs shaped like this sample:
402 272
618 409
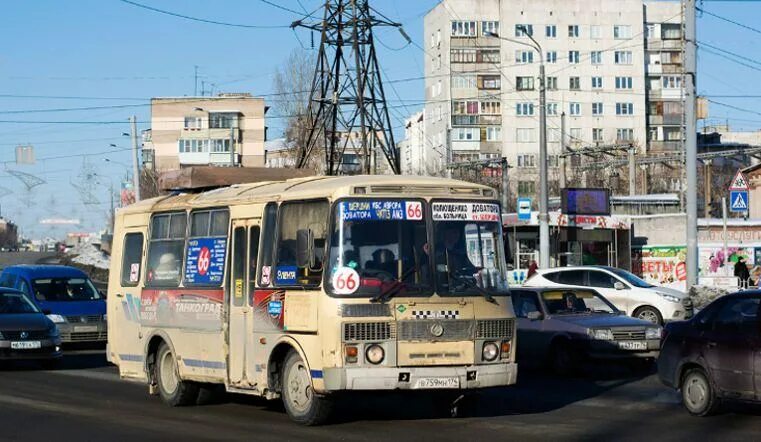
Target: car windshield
468 249
630 278
574 302
64 289
377 248
16 303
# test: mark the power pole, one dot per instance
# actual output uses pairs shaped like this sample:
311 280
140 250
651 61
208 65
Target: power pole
563 149
347 93
505 185
449 159
632 172
135 158
691 142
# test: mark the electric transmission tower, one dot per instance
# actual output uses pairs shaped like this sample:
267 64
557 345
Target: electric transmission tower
347 105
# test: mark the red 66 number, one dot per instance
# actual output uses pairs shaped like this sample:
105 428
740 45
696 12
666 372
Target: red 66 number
414 210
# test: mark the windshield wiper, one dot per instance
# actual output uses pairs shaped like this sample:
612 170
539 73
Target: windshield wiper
472 284
390 292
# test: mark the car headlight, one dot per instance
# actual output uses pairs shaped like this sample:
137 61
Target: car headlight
669 298
490 351
603 334
58 319
653 333
375 354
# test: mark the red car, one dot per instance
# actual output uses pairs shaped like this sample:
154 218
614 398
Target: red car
715 356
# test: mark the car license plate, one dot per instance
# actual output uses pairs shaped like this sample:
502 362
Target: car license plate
25 345
632 345
85 328
424 383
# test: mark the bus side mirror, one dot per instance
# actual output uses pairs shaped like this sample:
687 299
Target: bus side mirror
305 248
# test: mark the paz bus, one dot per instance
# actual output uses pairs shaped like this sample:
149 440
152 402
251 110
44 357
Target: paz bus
303 288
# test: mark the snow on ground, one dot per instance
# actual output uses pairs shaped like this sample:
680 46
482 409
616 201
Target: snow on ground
702 295
87 253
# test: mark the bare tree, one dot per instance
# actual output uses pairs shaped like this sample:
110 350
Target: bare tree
292 84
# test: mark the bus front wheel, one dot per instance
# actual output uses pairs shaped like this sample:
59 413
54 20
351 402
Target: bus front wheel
301 403
174 391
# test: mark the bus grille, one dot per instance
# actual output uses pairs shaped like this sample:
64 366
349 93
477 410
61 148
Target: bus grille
368 331
495 329
453 330
364 310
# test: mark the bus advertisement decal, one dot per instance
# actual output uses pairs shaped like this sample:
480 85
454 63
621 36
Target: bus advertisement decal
286 275
269 306
205 263
183 308
368 210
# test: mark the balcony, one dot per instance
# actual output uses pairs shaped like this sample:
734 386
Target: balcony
476 120
203 134
206 158
672 68
663 146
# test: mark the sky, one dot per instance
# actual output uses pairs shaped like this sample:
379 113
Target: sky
111 57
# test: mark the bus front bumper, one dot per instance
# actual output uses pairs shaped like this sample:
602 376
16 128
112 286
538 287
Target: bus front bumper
419 378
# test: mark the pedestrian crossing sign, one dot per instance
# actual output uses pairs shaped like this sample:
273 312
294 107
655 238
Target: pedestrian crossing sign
738 200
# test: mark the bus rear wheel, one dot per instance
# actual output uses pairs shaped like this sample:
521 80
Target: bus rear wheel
301 403
173 391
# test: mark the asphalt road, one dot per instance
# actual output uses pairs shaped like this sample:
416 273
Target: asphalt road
85 400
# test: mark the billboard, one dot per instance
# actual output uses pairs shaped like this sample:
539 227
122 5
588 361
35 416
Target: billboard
577 201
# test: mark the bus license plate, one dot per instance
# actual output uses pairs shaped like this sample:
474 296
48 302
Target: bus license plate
632 345
425 383
25 345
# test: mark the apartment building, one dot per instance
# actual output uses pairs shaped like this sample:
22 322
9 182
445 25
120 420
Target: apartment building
227 130
415 157
612 68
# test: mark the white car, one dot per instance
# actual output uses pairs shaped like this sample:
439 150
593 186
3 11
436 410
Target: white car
625 290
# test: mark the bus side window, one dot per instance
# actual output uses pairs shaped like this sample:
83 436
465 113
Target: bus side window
306 219
239 266
253 253
265 260
132 256
166 249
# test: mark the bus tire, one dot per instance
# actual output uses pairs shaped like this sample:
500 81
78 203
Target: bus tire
301 403
173 391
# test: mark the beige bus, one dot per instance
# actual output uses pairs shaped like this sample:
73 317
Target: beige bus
302 288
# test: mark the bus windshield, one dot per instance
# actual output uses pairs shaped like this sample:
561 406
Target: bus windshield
378 249
468 249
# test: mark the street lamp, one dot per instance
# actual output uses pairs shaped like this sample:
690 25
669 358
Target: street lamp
544 199
109 160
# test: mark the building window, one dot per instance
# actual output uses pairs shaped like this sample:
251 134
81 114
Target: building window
522 30
623 57
552 83
652 134
597 108
526 188
524 109
671 31
649 30
220 120
597 135
463 29
489 28
595 32
672 134
438 61
552 57
596 57
622 32
220 145
526 160
524 57
488 56
465 134
553 161
671 82
489 82
596 82
553 135
574 108
552 108
575 134
574 83
493 134
193 146
193 122
439 113
465 107
525 135
551 31
463 81
524 83
463 55
624 108
673 108
671 57
625 134
623 82
573 31
491 108
573 57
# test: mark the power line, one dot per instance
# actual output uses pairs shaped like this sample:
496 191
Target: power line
283 8
73 109
728 20
202 20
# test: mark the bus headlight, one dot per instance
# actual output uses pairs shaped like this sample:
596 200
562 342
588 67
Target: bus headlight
375 354
490 351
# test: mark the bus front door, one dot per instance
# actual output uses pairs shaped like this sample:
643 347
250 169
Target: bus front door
240 338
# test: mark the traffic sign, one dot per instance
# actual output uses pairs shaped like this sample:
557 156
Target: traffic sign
524 209
738 200
739 182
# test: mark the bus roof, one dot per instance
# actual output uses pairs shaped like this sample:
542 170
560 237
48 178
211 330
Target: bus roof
316 187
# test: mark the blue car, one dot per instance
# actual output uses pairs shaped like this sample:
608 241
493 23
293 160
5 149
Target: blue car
66 295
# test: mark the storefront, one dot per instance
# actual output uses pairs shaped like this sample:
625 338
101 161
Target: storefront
574 240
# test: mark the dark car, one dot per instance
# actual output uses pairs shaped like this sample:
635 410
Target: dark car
716 355
565 326
25 332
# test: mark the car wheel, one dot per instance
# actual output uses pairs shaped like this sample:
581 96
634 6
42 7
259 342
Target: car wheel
562 359
649 314
173 391
698 396
301 403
